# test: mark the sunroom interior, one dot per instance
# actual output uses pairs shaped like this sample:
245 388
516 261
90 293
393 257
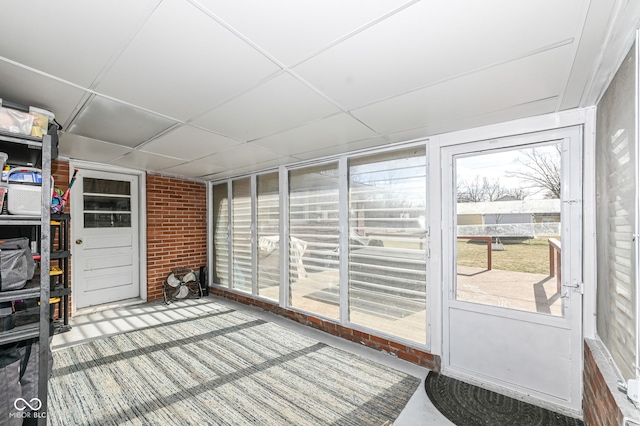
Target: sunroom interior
454 184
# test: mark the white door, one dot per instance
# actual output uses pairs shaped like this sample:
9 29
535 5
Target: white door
105 238
512 210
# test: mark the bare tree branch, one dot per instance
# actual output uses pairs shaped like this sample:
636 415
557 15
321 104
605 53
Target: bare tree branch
542 170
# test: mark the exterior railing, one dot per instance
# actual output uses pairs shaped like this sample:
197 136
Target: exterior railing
555 265
481 238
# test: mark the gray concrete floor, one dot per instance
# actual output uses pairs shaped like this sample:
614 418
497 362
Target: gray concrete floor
97 323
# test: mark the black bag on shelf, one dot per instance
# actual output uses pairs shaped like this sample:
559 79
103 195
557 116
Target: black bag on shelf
16 263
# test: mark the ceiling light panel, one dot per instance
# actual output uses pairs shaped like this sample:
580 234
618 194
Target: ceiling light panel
431 41
81 148
182 63
335 130
275 106
188 143
71 39
111 121
296 29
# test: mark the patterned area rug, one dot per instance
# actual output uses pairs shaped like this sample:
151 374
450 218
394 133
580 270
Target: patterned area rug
222 368
468 405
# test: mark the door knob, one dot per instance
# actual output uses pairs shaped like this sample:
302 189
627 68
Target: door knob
78 241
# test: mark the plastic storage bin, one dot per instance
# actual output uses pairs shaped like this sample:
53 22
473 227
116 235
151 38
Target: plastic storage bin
24 198
14 121
41 120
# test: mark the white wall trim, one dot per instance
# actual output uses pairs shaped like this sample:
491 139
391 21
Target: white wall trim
589 265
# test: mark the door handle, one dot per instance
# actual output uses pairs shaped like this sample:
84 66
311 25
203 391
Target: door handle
78 241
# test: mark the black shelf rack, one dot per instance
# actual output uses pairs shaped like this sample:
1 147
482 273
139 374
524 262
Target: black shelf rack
60 256
34 152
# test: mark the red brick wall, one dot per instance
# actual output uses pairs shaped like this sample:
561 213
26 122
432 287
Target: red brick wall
176 228
599 405
400 350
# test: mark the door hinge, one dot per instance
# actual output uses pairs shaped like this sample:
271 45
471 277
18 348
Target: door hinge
428 253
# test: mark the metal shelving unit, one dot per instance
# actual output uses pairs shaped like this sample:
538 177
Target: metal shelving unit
29 151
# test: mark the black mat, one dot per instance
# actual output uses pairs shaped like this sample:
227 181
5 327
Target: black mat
467 405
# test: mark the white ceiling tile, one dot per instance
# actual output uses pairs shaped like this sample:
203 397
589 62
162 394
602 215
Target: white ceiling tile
183 63
28 88
70 39
145 161
277 105
342 148
188 143
194 169
81 148
527 80
435 40
338 129
111 121
260 167
529 109
294 28
241 156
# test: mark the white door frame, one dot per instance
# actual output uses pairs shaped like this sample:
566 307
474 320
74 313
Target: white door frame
142 218
572 264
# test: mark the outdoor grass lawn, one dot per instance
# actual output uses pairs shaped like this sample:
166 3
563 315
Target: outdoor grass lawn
527 256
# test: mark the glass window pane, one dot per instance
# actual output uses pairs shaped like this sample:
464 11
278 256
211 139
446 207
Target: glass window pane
220 234
268 252
387 252
313 241
107 220
106 186
508 228
106 203
241 222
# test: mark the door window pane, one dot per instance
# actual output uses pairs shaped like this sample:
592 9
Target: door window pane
220 234
314 239
507 238
241 222
387 249
107 220
106 195
106 186
268 251
107 203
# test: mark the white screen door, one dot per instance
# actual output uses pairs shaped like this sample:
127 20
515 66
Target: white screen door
512 269
105 238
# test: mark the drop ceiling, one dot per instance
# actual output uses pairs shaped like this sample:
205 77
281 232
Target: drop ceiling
209 89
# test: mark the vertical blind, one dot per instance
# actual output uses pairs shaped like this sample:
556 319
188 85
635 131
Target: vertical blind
241 230
616 214
268 235
387 246
220 207
314 239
